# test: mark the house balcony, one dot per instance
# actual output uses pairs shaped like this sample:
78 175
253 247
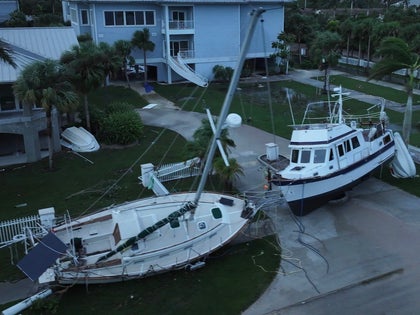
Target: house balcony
179 27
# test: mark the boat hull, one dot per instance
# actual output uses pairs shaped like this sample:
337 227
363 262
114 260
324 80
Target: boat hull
306 195
185 240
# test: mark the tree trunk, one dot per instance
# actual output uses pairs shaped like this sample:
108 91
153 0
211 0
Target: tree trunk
348 48
50 140
145 67
360 53
368 53
85 97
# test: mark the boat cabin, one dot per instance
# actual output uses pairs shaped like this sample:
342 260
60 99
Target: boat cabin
322 149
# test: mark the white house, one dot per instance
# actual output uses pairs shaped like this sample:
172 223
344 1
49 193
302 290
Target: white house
190 36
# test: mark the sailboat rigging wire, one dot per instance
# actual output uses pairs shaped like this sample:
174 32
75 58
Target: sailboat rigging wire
129 170
270 101
290 106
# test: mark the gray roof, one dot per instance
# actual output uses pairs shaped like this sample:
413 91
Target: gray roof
30 44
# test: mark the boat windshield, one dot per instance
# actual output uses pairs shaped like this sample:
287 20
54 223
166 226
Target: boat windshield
308 156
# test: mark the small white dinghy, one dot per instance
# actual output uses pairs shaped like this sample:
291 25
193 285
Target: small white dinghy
79 139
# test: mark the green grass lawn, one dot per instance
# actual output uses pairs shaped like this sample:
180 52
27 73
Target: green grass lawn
233 278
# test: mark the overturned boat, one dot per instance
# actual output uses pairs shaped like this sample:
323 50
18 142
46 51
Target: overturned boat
78 139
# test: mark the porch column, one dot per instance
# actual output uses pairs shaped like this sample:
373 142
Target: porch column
167 45
31 142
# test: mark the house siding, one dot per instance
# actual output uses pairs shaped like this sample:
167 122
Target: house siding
7 7
219 29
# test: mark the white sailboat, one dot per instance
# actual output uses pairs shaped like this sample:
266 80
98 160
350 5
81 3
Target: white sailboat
146 236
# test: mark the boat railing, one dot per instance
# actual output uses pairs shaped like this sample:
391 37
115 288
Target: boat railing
335 112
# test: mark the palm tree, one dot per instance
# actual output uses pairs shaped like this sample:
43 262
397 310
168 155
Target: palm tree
111 60
141 40
123 51
85 65
228 173
6 54
43 84
396 55
202 136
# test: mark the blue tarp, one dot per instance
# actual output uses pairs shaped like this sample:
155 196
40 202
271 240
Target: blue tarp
42 256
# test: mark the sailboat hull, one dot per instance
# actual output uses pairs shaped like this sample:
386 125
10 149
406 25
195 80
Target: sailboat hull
178 244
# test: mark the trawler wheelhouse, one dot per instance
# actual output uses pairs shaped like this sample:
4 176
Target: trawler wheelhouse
329 155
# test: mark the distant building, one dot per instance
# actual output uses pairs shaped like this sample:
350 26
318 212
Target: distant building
190 36
7 7
21 128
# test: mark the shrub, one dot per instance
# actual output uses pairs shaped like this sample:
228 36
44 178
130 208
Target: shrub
118 107
222 73
121 128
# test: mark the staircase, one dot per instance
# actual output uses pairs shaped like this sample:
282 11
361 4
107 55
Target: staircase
179 65
152 177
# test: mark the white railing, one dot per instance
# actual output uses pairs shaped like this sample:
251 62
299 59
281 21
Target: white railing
181 25
186 54
180 170
17 230
364 63
173 171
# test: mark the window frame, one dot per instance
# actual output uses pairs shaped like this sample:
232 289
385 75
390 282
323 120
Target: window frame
86 12
122 18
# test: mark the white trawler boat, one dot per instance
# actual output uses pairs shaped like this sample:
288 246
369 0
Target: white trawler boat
146 236
333 154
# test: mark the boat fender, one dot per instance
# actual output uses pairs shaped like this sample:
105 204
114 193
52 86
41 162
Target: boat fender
195 266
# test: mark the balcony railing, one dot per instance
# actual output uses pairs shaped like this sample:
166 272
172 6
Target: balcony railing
185 54
181 25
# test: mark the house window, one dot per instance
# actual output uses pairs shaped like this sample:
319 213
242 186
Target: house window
181 46
119 18
143 18
73 15
84 17
150 17
129 17
178 15
109 18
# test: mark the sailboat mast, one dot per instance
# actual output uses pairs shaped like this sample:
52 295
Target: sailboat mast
228 100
